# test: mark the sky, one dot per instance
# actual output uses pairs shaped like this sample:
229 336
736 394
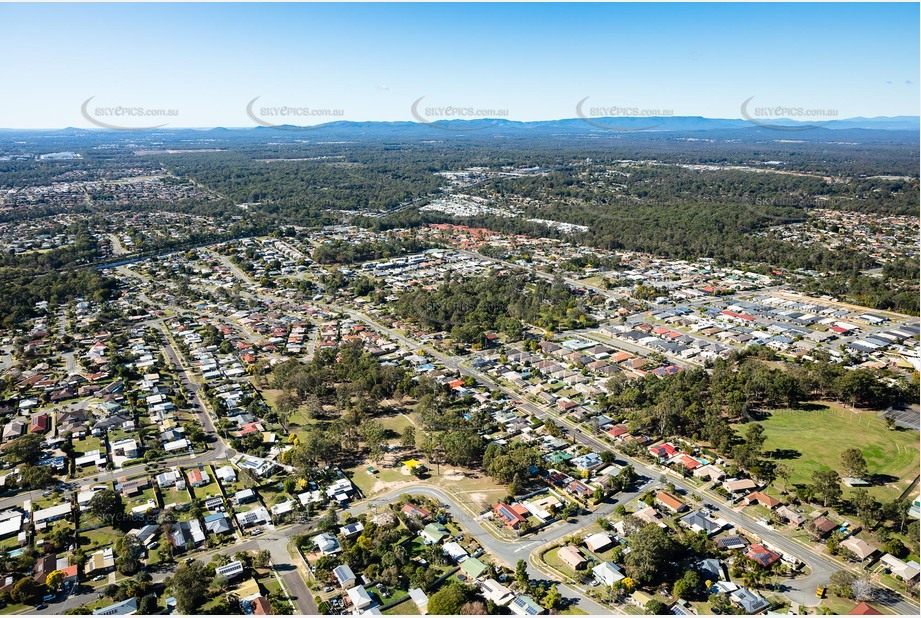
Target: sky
205 63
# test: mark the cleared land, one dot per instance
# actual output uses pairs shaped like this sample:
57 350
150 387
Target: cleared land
813 439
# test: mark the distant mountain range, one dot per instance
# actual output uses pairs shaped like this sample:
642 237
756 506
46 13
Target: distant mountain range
679 124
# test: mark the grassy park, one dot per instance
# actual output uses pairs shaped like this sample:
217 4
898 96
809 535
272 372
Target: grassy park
813 438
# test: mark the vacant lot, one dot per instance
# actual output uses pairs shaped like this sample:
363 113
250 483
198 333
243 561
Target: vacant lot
813 439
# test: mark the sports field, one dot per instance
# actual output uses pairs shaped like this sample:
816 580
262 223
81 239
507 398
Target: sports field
813 439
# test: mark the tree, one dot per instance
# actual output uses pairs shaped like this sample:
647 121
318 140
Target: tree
749 452
25 449
54 580
107 506
128 550
863 589
651 556
148 605
262 559
375 437
447 601
889 420
26 591
329 521
521 574
655 607
827 484
868 509
189 585
783 472
853 463
895 547
35 477
474 608
841 582
408 439
688 587
552 599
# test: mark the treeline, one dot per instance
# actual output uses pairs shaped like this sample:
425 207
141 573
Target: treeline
341 388
342 252
701 406
674 212
83 250
53 276
468 307
19 296
896 290
370 179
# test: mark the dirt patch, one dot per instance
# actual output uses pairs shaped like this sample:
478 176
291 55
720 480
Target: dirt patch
454 475
383 486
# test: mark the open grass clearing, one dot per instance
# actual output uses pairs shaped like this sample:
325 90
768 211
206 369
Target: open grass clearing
813 439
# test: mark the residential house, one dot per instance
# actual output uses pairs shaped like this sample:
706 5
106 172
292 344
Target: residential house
497 593
523 605
417 512
599 542
473 568
360 597
433 533
607 573
698 522
230 571
326 543
572 557
859 547
420 599
761 554
750 602
864 609
670 502
345 576
509 515
217 523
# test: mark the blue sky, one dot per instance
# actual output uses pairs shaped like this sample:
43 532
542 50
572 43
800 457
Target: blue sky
372 61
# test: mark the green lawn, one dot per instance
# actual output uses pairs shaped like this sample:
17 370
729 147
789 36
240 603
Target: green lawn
365 482
404 608
395 425
552 558
87 444
98 538
813 439
175 496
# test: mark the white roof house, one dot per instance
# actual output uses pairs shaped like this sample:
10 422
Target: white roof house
454 551
344 575
420 599
256 516
168 478
607 573
360 597
226 474
496 592
326 543
230 570
51 513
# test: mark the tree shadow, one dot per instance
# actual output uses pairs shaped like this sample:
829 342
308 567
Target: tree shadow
783 453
